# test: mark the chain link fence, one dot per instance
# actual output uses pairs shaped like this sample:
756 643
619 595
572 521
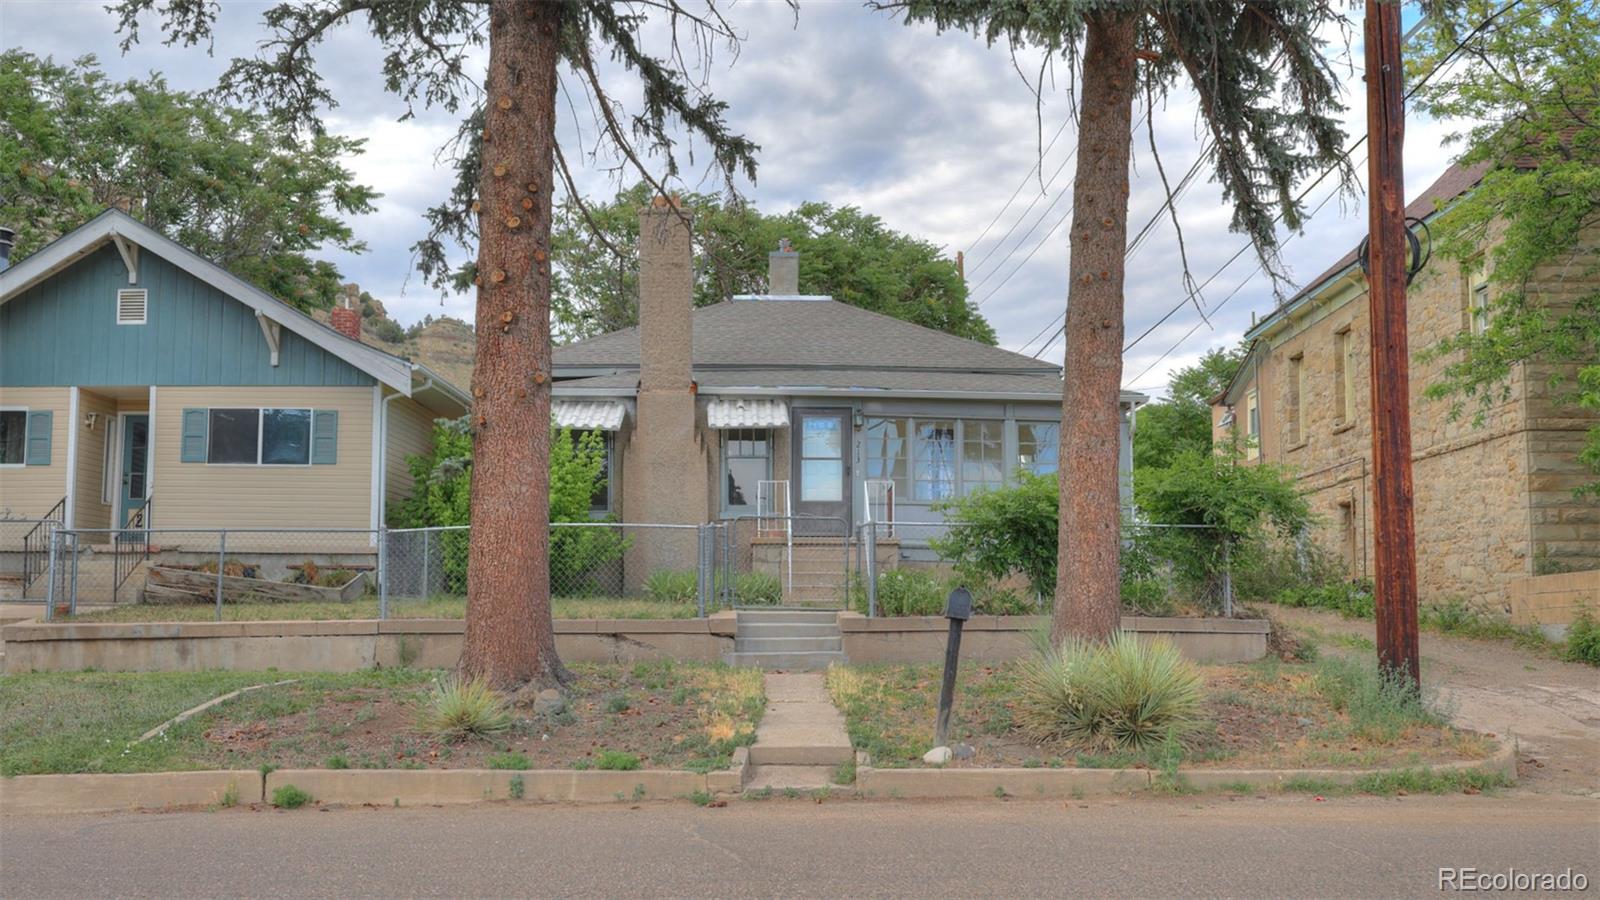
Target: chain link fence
25 558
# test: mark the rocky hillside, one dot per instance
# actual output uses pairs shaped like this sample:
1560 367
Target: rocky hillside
444 344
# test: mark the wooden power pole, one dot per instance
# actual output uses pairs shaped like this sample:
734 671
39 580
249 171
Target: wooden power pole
1394 540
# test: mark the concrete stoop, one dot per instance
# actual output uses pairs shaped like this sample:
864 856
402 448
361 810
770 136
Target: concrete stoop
802 738
787 639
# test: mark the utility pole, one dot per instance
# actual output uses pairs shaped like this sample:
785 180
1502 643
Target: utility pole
961 265
1394 541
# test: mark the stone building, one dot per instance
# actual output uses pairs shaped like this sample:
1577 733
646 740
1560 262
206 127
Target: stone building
1494 498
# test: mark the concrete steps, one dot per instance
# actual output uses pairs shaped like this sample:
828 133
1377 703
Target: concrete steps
805 779
798 639
801 740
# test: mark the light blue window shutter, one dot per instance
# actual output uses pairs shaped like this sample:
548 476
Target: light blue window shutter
193 446
324 437
39 424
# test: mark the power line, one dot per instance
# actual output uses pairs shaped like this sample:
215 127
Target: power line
1038 164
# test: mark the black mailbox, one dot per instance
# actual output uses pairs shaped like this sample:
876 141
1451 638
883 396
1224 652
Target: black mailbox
958 605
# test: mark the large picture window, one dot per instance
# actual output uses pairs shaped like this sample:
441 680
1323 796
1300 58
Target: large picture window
933 470
983 465
268 437
886 451
1038 447
746 461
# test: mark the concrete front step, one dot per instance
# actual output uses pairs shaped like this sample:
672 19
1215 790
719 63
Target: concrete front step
795 778
806 616
804 662
743 644
760 629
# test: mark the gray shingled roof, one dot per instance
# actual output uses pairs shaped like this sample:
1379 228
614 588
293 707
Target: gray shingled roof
947 383
809 334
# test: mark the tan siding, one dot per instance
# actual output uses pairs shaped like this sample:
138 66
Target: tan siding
30 491
87 510
410 434
198 495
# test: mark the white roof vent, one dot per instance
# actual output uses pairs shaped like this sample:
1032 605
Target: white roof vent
132 306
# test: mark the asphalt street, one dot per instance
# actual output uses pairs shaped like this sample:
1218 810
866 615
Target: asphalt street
1273 846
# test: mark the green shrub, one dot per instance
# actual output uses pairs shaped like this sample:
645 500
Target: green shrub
1124 694
995 533
462 708
1351 599
508 760
616 761
1380 706
673 586
757 589
1583 640
910 592
1147 596
289 797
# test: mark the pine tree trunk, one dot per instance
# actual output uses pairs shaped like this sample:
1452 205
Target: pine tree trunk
510 637
1088 601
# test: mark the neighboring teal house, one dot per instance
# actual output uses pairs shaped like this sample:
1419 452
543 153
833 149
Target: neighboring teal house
135 374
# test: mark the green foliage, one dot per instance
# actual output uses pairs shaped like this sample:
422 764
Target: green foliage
232 184
673 586
516 789
1181 423
460 708
289 797
616 761
1351 599
1526 81
997 532
700 798
911 591
1122 694
846 253
508 760
1583 640
758 589
1380 706
336 761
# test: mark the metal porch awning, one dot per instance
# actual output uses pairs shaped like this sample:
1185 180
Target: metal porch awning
589 415
747 412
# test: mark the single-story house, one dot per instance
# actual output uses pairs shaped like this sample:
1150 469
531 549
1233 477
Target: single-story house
784 404
141 383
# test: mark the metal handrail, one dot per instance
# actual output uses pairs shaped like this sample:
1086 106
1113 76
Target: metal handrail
135 537
36 546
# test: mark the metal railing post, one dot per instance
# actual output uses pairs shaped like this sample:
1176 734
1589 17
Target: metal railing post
50 572
872 569
383 572
1227 579
222 563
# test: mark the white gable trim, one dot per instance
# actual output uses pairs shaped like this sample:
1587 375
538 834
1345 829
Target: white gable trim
117 226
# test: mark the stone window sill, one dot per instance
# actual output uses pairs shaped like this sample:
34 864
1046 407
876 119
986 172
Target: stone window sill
1293 447
1342 427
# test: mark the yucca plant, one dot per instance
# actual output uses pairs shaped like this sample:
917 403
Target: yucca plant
460 708
1123 694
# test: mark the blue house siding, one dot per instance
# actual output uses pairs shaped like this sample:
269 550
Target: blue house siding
63 331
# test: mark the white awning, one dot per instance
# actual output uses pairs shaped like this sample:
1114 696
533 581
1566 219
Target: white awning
588 415
747 412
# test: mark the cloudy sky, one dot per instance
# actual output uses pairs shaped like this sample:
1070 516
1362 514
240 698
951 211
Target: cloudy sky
933 133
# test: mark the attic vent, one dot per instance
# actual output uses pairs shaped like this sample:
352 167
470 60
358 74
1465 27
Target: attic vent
131 304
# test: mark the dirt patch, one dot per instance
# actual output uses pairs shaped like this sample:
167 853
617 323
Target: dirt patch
649 715
1268 715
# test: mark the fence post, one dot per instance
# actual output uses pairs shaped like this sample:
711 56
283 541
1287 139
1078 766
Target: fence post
383 572
222 563
427 585
872 569
72 596
50 586
702 568
1227 579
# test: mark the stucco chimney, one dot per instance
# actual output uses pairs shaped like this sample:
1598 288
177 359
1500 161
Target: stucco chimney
347 321
666 297
783 271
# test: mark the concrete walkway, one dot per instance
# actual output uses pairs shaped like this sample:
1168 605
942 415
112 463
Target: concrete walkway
802 738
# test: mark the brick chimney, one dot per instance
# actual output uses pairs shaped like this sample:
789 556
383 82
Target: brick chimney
347 321
783 271
666 297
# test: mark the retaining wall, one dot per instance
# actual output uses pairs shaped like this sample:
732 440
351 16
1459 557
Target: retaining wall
912 639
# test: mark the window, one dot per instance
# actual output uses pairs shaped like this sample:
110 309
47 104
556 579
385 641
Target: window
1038 444
1344 378
13 436
1252 425
600 496
982 455
132 306
886 451
933 469
1478 300
746 461
1297 375
268 437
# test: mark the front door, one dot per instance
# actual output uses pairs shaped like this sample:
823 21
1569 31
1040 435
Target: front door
135 489
822 453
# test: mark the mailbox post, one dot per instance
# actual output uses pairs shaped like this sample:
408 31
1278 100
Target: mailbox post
957 610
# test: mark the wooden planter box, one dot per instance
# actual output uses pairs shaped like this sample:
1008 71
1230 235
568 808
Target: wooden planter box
174 584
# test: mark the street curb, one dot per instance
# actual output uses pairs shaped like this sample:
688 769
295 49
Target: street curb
431 787
1058 783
